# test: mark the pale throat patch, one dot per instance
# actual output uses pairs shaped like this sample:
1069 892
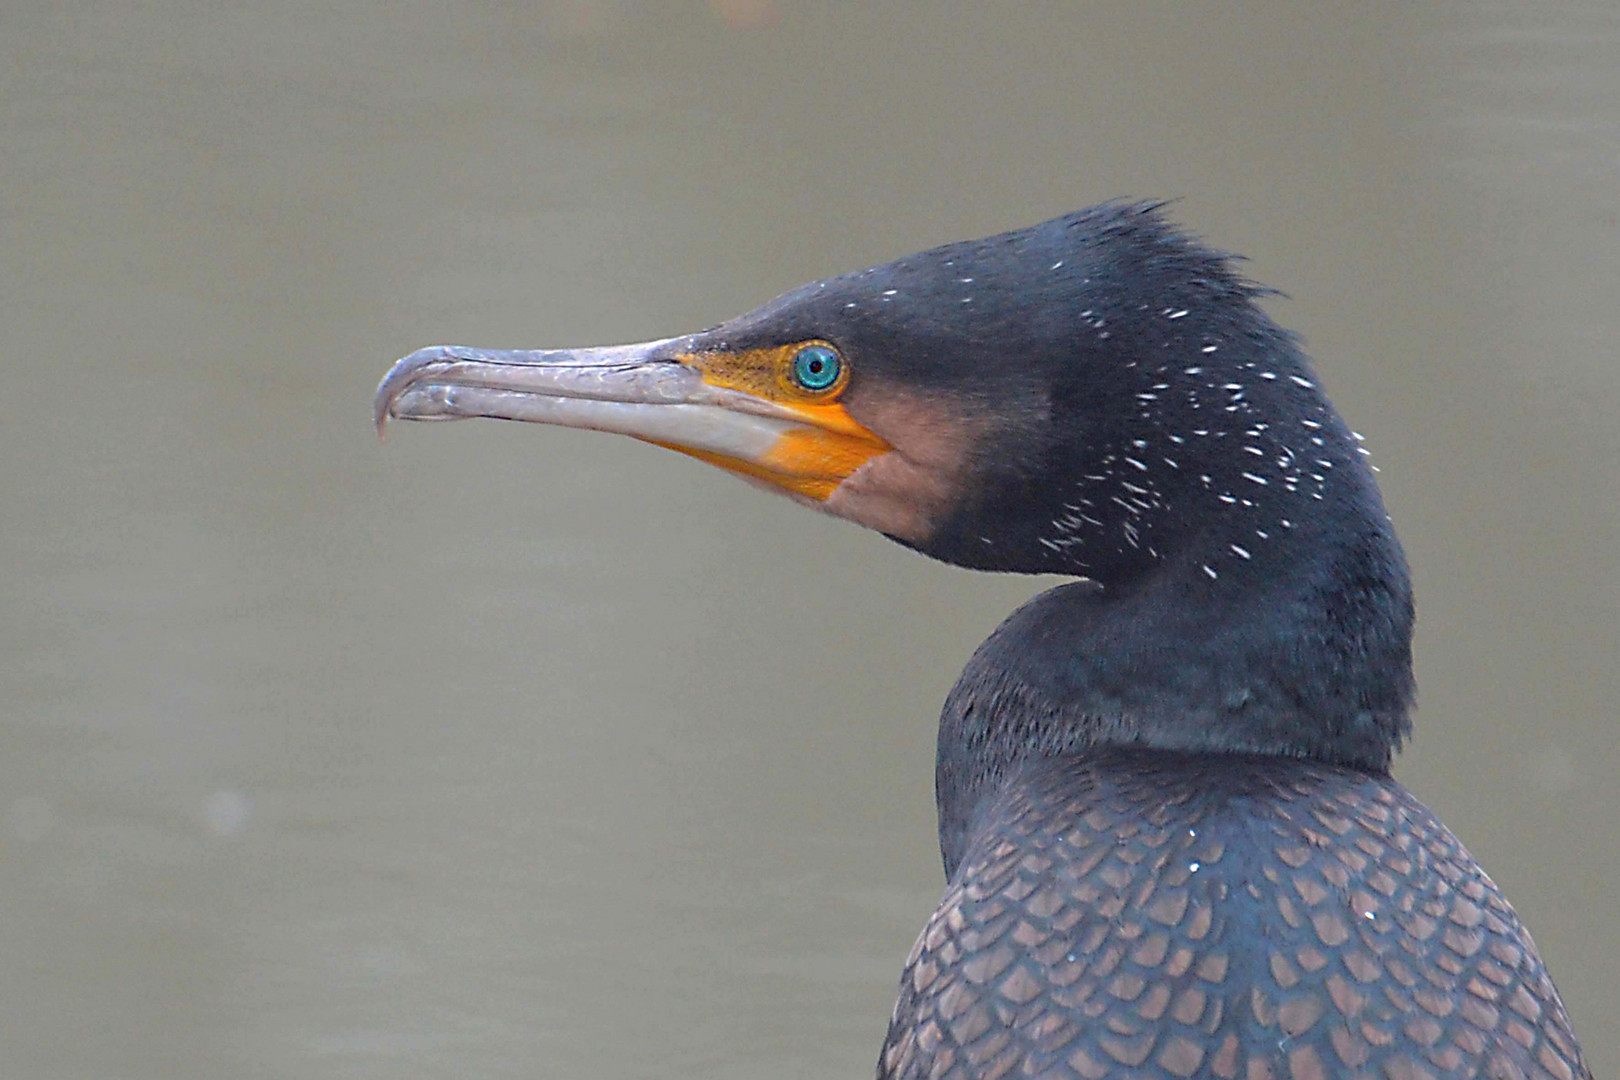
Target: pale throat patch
909 490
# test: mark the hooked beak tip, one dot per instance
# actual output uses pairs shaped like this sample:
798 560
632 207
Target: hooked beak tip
405 371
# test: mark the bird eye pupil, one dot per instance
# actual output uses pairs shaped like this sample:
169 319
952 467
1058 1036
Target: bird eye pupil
816 367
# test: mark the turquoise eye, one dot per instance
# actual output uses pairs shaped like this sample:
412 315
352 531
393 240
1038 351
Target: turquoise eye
816 367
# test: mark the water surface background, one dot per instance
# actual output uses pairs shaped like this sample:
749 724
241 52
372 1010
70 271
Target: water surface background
503 751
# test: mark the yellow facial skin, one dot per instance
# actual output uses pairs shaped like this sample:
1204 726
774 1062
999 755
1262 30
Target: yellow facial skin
810 461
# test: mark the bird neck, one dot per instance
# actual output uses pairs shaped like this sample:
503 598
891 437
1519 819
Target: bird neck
1303 654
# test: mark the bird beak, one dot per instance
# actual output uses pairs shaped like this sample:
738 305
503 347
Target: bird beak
660 392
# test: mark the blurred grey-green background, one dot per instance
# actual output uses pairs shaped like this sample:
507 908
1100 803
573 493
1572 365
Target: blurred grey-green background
504 751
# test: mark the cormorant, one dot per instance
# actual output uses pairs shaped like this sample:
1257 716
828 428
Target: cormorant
1171 840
